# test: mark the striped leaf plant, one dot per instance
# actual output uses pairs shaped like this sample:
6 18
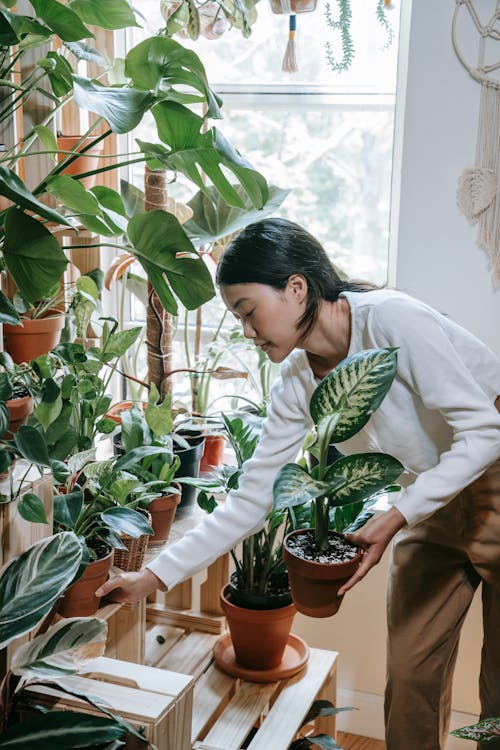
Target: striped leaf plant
30 587
340 407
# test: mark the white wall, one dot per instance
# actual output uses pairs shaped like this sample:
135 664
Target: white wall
434 257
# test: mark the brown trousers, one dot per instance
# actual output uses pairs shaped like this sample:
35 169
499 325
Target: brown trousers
436 569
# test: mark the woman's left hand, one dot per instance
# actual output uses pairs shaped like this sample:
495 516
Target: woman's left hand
373 538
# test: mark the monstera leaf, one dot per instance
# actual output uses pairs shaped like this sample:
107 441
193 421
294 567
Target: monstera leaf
345 400
31 584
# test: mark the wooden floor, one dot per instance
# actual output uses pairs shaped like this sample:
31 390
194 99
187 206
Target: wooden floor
353 742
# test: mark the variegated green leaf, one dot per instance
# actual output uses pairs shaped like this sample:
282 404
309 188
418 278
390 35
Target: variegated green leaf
487 730
355 389
363 474
31 583
61 730
294 486
65 648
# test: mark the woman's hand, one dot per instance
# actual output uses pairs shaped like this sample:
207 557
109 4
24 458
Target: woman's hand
373 538
130 587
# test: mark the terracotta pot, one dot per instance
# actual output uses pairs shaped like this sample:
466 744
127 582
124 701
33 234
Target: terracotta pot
213 452
35 337
115 410
80 599
162 511
314 585
19 410
259 636
86 163
295 6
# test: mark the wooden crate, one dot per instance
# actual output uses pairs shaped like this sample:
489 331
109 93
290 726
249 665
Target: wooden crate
228 710
17 535
158 700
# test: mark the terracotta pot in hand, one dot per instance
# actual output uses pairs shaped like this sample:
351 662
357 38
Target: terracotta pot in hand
80 599
315 584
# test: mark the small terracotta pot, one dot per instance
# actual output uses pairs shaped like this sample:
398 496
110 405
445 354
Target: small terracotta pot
314 585
80 599
259 636
86 163
213 452
162 511
19 410
35 337
115 410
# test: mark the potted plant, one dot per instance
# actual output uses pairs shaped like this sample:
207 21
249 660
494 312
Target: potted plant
257 600
153 426
320 560
30 586
99 501
17 386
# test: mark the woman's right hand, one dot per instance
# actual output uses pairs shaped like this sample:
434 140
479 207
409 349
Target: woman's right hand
130 587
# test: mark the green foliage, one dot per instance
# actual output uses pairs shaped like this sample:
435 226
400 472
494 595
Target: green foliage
340 406
485 731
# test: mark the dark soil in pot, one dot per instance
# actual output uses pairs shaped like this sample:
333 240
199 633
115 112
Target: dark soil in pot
279 595
315 577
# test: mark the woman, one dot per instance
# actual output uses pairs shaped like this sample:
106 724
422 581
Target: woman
439 419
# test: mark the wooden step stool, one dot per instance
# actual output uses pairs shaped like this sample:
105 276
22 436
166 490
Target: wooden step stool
158 700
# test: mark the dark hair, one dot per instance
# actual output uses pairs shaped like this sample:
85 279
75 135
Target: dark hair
271 250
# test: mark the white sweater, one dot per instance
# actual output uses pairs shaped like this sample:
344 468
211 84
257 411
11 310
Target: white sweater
438 419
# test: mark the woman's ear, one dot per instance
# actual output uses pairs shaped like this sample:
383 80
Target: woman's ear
297 285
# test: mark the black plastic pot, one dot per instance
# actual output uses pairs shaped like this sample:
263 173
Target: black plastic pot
189 467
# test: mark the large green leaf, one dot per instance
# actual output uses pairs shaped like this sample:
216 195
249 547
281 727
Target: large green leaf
67 508
61 19
193 152
111 14
13 188
170 260
65 648
59 72
32 255
14 28
8 313
137 454
61 730
31 445
160 63
120 342
31 583
126 521
363 474
213 218
32 509
123 108
354 390
294 486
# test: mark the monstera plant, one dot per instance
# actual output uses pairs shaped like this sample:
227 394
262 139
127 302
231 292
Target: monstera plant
30 587
161 77
340 407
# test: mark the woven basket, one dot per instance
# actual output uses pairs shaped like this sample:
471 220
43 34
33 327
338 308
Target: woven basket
131 559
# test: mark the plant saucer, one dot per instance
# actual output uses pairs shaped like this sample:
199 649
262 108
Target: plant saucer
294 659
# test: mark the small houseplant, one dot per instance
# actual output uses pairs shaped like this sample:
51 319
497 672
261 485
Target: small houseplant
257 600
320 560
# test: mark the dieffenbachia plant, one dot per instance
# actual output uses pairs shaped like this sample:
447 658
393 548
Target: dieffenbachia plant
340 407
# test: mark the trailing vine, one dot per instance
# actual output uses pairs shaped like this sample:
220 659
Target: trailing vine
342 24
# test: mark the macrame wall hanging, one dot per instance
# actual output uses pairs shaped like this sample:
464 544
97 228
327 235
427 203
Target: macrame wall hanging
478 193
291 8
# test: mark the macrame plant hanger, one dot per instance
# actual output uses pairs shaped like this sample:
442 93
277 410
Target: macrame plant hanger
291 8
478 193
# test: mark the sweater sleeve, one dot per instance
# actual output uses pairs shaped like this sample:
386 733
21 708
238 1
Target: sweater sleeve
245 509
430 365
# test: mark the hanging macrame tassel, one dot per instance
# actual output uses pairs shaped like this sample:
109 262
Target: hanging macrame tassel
289 60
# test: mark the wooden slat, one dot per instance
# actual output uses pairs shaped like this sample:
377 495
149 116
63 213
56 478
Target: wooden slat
217 577
187 618
155 650
240 715
293 703
211 693
191 655
354 742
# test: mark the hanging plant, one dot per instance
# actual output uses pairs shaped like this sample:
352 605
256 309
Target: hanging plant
342 25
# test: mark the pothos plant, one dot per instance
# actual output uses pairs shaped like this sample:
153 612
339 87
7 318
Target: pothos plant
340 407
30 588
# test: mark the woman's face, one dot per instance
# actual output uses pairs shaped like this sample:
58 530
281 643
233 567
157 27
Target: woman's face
269 316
